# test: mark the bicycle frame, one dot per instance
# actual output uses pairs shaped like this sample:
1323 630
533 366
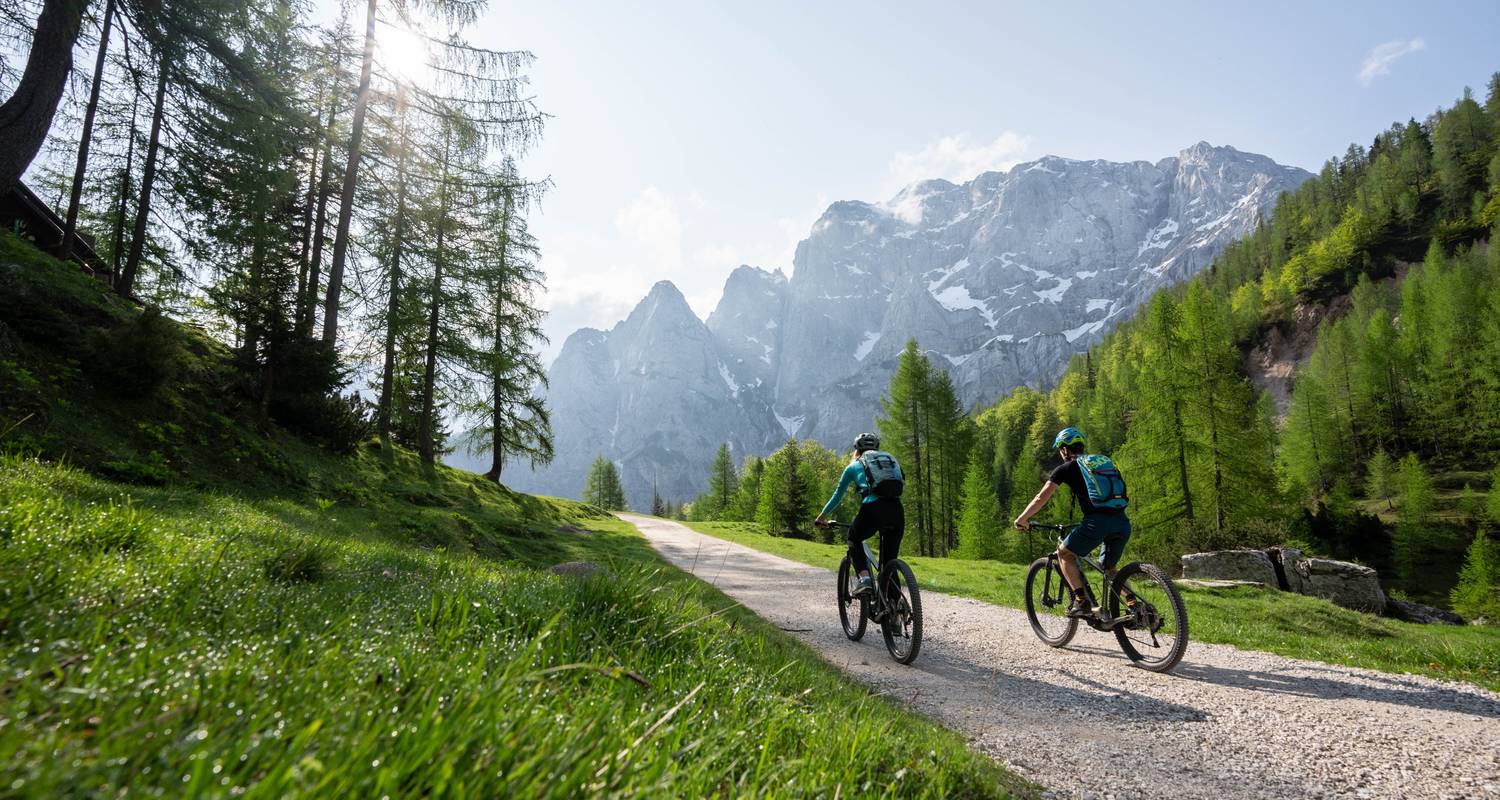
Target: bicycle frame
1053 569
880 599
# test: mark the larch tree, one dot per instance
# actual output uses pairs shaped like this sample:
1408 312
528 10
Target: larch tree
722 485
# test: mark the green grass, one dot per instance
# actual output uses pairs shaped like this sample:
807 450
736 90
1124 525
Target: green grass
195 603
168 641
1254 619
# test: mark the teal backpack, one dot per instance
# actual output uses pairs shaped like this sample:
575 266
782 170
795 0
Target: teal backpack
882 473
1105 484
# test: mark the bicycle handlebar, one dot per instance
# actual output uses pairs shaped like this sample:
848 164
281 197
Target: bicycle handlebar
832 523
1046 527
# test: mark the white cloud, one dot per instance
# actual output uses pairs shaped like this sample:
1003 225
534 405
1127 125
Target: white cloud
956 158
595 277
651 219
1379 60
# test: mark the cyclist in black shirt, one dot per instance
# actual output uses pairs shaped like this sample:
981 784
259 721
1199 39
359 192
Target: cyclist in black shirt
1100 525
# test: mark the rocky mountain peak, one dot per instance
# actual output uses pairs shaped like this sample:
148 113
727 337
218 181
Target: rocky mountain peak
1002 279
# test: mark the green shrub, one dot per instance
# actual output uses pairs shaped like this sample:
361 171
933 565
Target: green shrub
135 359
154 471
339 422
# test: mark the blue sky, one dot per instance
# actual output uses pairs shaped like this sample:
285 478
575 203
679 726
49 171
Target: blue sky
690 137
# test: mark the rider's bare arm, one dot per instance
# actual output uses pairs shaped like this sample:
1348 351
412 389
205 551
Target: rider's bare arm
1036 505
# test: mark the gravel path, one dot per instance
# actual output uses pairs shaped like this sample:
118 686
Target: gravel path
1081 721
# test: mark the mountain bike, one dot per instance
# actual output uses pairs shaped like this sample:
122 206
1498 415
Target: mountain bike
897 609
1145 610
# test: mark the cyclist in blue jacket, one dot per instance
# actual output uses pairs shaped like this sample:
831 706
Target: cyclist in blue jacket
880 510
1109 527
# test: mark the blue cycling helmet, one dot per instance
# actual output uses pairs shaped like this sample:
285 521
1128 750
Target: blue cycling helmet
1068 436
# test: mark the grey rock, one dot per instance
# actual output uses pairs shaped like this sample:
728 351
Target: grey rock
1230 565
577 569
1419 613
1001 279
1342 582
1209 583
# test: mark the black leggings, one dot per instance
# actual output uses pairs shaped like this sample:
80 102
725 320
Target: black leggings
884 516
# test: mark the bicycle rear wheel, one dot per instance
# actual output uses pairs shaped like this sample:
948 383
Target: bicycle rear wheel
852 610
1156 634
902 628
1047 603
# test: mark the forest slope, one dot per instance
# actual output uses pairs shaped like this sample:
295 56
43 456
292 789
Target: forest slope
254 612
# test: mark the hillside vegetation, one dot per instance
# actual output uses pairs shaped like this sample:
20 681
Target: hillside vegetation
1381 262
196 602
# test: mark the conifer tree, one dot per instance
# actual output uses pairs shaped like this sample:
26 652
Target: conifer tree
742 508
1160 439
904 432
1379 478
1418 499
1477 594
514 418
980 526
658 507
602 486
1222 407
722 486
785 504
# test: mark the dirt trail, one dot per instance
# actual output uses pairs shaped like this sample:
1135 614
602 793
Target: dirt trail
1226 724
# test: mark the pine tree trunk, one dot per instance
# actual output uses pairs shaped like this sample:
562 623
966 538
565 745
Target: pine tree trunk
1351 431
916 449
497 409
427 447
75 196
927 487
1312 438
309 302
393 304
1213 425
254 325
351 173
124 199
429 373
1182 471
26 115
304 262
125 283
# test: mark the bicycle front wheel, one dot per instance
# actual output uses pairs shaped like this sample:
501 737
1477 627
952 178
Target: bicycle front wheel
903 624
1047 603
852 610
1155 633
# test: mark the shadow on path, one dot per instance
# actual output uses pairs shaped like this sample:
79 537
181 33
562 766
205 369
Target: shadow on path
1326 687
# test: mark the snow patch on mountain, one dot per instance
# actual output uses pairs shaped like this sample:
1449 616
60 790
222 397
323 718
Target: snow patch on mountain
1050 254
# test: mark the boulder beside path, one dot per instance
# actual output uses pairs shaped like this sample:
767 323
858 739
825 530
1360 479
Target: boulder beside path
1230 565
1344 583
